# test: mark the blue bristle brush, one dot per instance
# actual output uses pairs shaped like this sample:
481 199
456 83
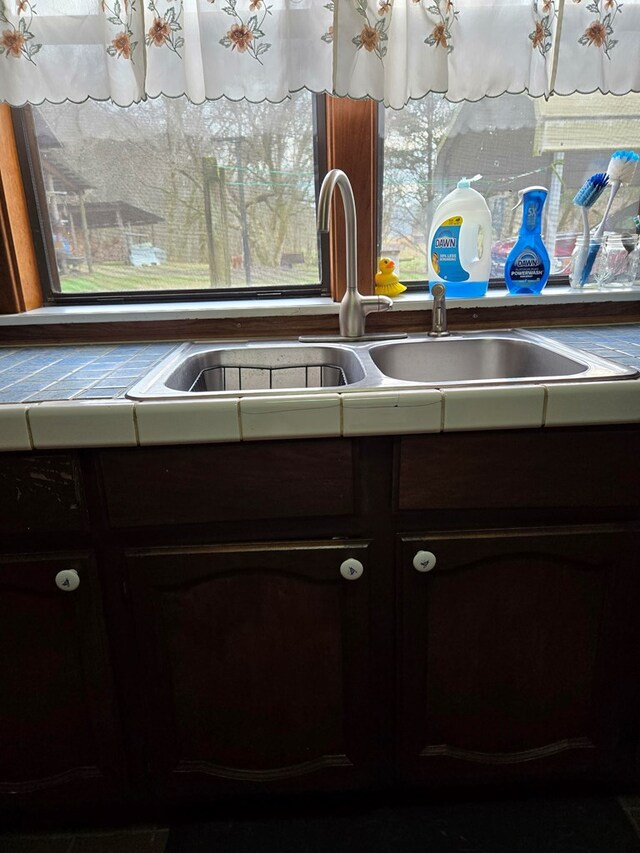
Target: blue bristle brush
620 171
586 197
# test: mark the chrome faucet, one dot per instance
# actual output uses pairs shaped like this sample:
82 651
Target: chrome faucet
439 312
354 307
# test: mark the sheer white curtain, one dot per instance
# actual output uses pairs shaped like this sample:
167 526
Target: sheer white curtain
125 50
389 50
472 48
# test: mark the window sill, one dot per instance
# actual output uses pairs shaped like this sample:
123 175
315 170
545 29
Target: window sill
289 318
317 306
171 311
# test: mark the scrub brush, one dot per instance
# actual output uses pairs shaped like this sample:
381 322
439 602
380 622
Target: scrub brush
387 282
621 168
586 197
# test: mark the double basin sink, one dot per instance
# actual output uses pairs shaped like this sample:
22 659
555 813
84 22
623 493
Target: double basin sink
197 370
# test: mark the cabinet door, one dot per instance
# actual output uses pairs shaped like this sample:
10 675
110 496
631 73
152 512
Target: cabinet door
519 655
57 725
254 666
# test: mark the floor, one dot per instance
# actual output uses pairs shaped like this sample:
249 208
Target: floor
474 827
134 840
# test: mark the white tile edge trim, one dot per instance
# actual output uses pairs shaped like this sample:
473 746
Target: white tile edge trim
551 391
15 433
204 416
593 403
388 409
69 415
496 407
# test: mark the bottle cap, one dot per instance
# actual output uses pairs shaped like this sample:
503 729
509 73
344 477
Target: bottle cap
465 183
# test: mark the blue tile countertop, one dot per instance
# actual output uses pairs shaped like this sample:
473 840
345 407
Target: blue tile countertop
88 372
106 371
617 343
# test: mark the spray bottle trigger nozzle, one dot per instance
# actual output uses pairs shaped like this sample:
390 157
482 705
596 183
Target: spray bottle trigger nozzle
519 202
522 193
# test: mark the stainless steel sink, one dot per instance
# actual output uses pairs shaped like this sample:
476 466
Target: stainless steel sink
449 360
250 368
419 361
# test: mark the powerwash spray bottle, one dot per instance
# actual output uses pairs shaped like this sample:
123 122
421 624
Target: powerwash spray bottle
460 242
527 267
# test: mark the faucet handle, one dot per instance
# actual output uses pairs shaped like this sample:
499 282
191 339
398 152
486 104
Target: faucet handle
375 303
384 303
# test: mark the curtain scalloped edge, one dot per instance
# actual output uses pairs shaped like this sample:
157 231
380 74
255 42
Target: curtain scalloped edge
146 97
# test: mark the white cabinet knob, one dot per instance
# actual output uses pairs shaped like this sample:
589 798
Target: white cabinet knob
67 580
351 569
424 561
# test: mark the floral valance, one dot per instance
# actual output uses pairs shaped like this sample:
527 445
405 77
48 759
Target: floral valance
389 50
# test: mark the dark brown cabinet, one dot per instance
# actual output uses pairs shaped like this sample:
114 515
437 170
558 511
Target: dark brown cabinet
255 666
40 493
519 655
216 625
58 729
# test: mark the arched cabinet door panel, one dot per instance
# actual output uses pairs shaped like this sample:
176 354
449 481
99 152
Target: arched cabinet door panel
518 653
58 730
254 665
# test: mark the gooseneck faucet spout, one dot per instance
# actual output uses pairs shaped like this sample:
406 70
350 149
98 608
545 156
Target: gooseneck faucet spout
354 307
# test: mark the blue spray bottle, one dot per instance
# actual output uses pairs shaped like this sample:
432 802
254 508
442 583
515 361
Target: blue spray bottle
527 267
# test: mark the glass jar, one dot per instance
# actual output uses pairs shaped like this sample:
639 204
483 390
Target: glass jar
616 251
633 262
604 265
577 278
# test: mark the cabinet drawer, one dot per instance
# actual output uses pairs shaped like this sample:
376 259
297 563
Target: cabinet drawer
542 468
40 492
210 483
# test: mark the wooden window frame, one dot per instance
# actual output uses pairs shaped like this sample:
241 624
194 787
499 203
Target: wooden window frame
20 288
352 145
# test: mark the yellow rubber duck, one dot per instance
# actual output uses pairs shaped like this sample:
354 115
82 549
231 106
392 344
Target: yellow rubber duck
387 283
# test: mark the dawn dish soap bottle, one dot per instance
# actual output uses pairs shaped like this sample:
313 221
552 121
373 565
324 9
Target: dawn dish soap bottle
460 243
527 267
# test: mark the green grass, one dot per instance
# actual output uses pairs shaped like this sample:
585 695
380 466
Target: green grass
110 278
115 278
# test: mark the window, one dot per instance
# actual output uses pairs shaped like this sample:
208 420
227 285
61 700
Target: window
168 199
171 200
513 141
